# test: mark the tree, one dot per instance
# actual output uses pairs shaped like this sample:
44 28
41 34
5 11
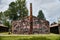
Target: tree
22 9
17 10
6 14
12 11
41 15
0 15
6 21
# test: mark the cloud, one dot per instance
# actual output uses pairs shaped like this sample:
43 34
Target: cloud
52 11
0 1
4 4
51 8
48 1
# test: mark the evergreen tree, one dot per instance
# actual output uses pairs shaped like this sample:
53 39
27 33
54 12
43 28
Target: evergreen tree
0 15
22 9
12 11
17 10
41 15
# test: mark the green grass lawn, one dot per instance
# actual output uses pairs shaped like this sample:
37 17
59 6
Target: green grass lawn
30 37
5 36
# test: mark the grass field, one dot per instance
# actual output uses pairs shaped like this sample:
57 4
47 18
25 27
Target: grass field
5 36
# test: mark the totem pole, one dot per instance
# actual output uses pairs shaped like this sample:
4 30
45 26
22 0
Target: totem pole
31 20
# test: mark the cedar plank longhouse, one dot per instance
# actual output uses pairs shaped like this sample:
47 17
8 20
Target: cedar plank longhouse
3 28
55 28
30 24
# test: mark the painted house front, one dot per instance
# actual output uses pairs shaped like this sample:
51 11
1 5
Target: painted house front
23 26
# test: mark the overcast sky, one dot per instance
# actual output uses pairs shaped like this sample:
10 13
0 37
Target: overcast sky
51 8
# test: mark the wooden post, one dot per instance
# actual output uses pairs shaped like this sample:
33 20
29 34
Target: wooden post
31 20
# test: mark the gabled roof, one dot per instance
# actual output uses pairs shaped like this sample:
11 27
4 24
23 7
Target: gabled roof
1 25
29 17
55 25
